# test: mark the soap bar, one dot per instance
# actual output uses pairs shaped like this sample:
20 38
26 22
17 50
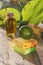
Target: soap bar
25 44
24 52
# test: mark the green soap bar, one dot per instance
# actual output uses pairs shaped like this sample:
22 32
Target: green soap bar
24 52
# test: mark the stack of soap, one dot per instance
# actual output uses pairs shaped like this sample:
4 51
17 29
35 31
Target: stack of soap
24 52
24 46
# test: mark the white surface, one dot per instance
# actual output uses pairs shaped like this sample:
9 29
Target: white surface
1 4
7 0
7 55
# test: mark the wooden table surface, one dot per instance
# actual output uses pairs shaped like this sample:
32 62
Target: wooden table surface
10 57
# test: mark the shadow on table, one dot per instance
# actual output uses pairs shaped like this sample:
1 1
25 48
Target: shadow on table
3 27
32 58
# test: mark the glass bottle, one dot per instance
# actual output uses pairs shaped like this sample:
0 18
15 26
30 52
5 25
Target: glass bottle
10 24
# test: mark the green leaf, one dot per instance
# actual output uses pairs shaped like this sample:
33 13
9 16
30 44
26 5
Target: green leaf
37 19
37 15
28 9
33 11
3 13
